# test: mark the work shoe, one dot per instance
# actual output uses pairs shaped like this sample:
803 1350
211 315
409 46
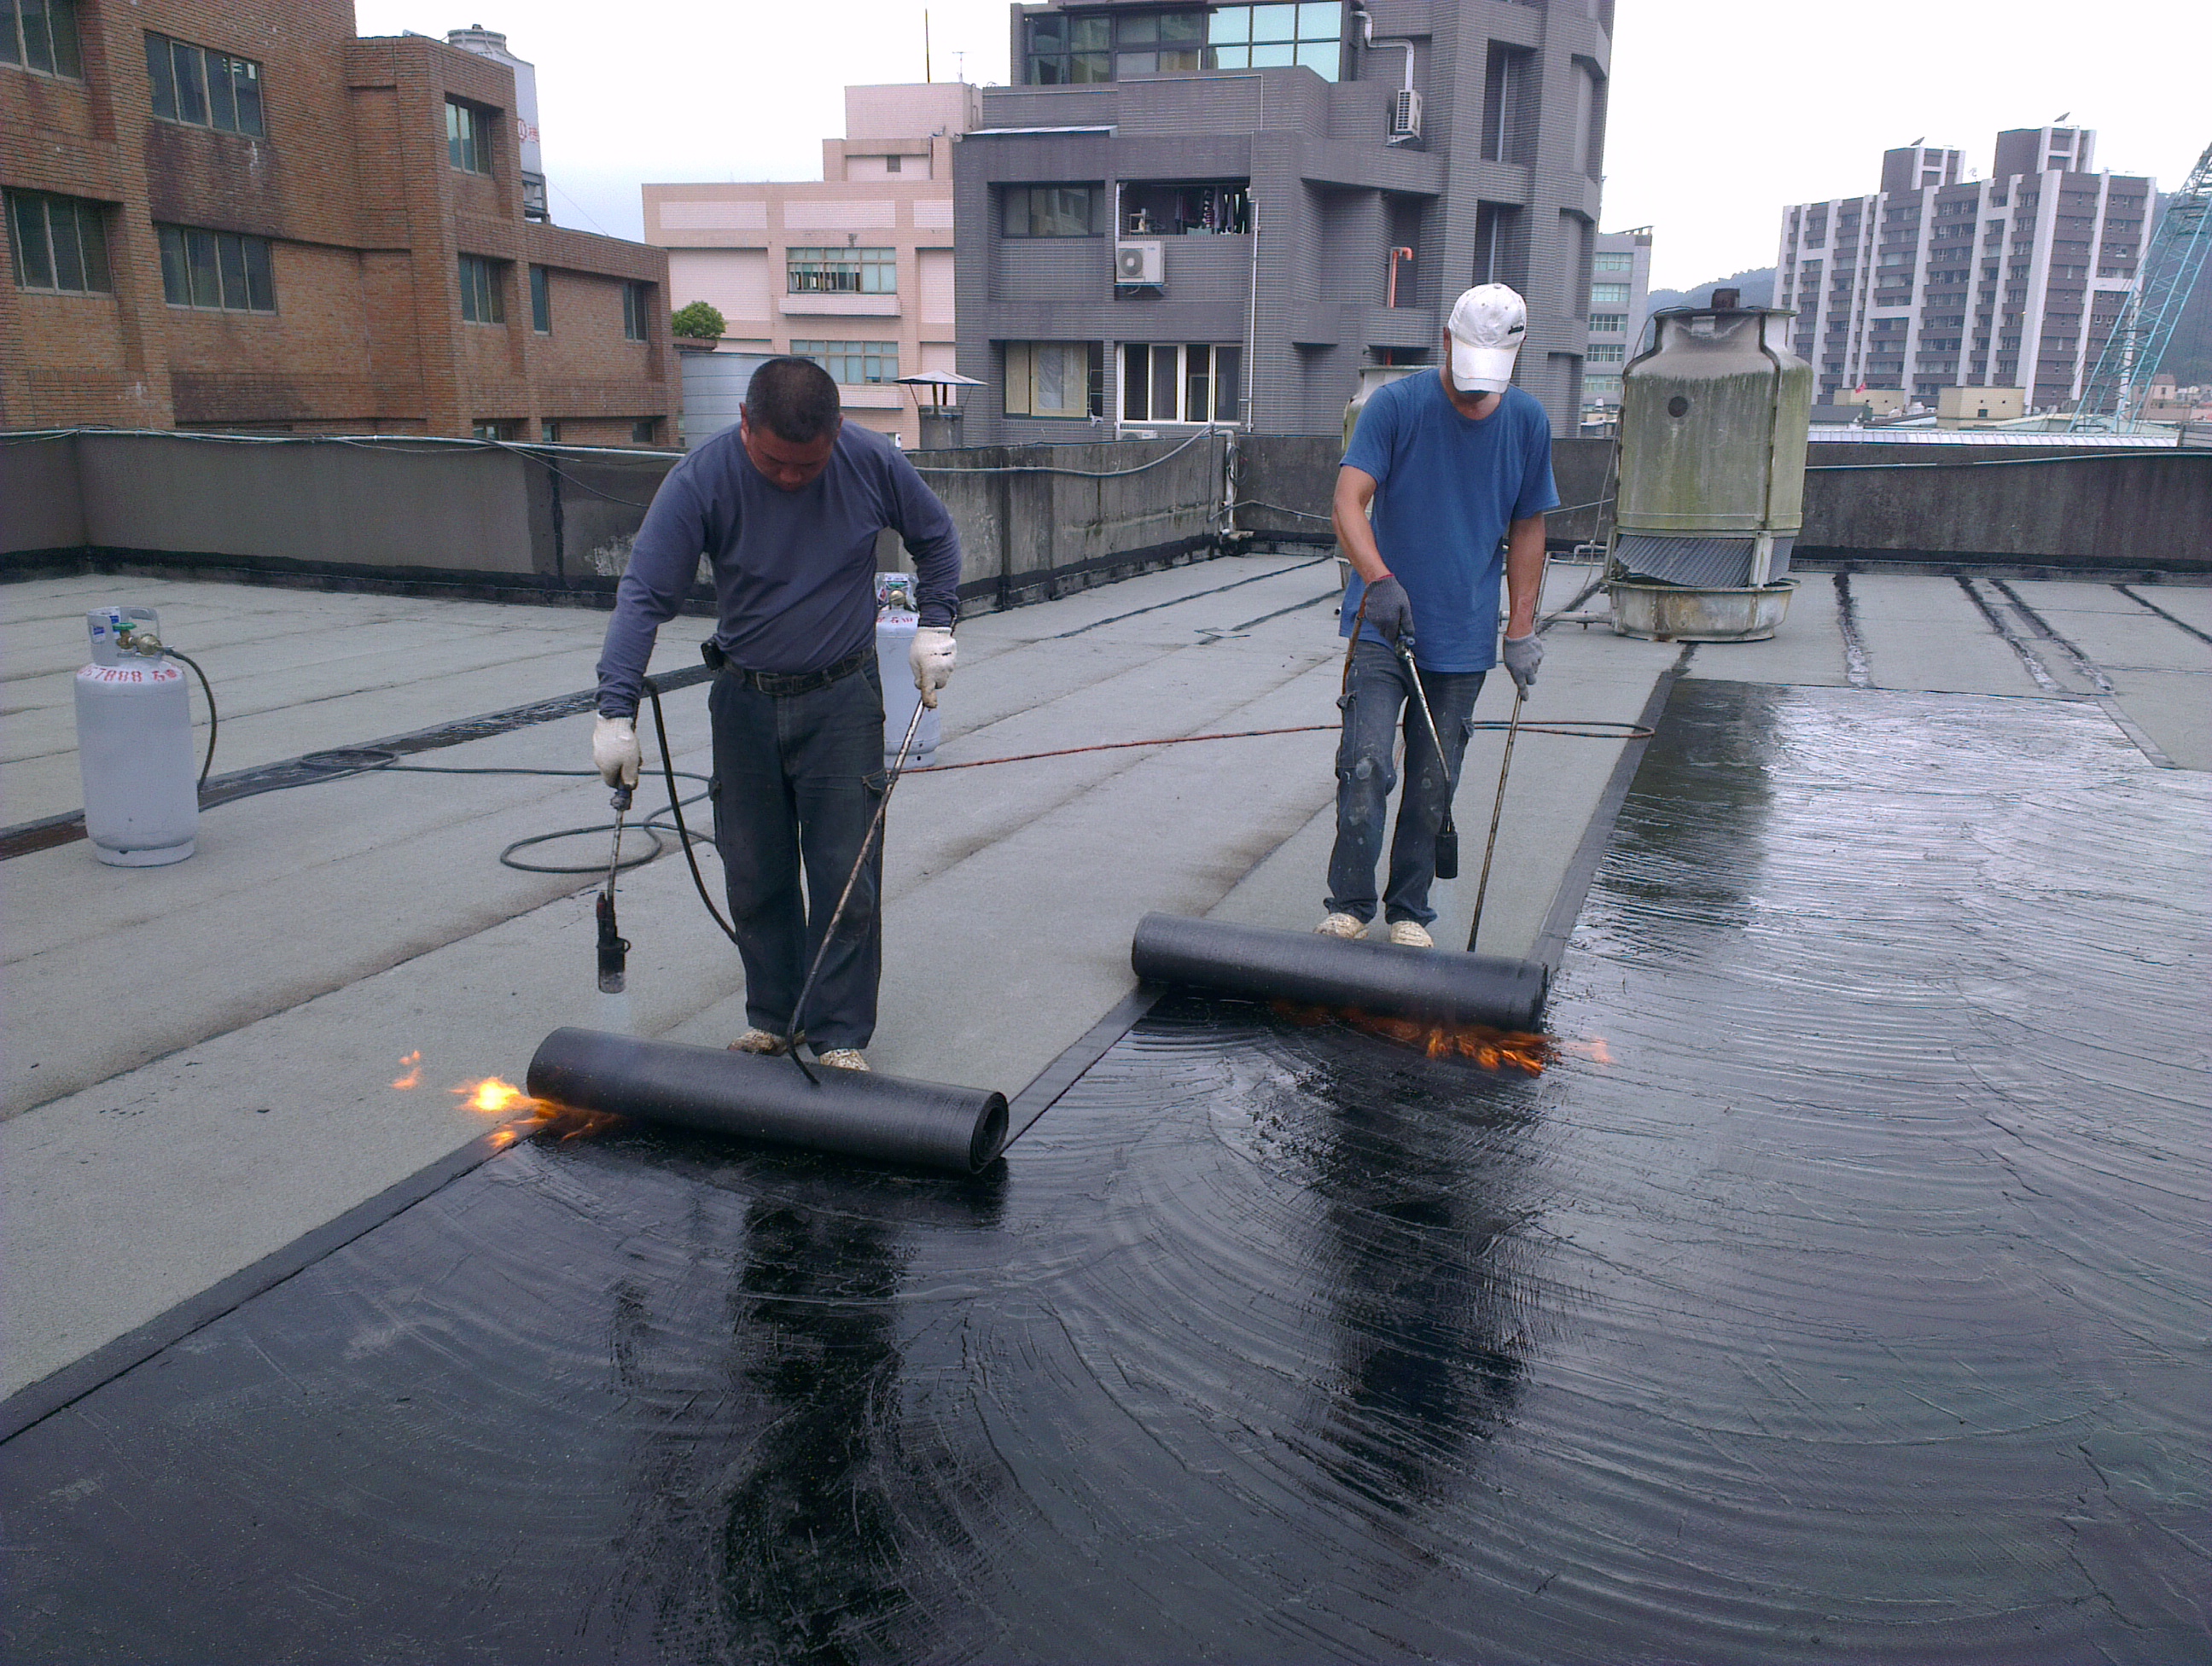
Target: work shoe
1341 925
1410 935
842 1058
758 1041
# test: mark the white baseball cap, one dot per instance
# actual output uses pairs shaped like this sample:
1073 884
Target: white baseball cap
1488 323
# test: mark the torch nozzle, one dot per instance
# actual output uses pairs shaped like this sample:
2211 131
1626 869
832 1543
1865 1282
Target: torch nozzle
614 949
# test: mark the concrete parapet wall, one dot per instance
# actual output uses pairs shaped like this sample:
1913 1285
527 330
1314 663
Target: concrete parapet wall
555 523
2127 510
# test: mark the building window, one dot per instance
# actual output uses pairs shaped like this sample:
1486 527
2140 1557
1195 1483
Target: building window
1608 294
1608 323
894 164
1063 50
59 243
645 431
1612 260
852 361
496 428
41 35
1193 383
1604 353
841 271
484 286
1157 43
541 300
202 89
220 270
637 308
1606 389
1178 211
548 427
1063 378
1507 127
1051 211
1272 37
468 137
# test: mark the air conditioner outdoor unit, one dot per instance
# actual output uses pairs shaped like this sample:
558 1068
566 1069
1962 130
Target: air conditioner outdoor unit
1140 264
1405 114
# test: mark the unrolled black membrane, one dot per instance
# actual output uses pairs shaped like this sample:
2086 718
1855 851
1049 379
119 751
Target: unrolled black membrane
1383 979
746 1096
1835 1295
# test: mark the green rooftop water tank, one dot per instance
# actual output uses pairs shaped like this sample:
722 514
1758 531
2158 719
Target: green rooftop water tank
1713 422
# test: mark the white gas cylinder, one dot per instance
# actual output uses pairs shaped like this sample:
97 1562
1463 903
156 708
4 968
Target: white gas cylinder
895 624
134 743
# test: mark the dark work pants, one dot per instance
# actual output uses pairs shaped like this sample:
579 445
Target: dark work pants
1379 697
796 780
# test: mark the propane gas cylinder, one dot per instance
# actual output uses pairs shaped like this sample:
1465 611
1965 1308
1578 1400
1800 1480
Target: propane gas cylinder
134 743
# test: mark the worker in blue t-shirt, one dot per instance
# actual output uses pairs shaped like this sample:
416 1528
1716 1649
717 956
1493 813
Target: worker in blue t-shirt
1456 465
785 507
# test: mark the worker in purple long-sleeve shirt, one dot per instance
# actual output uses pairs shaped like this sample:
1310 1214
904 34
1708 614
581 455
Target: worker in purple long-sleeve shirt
785 507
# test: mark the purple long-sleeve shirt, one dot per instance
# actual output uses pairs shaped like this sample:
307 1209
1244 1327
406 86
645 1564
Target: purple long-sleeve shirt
794 572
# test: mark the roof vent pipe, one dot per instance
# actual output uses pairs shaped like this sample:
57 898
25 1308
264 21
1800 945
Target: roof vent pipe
1367 38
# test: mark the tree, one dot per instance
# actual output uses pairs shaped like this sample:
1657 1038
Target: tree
698 320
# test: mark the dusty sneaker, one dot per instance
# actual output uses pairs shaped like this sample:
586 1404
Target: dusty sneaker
1341 925
1410 935
842 1058
758 1041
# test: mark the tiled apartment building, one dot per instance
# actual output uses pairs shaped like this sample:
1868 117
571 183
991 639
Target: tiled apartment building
229 216
1620 305
1937 281
854 270
1191 213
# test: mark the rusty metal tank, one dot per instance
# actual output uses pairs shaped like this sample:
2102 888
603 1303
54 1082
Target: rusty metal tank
1713 423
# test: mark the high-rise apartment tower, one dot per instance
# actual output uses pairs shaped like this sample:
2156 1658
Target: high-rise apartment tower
1937 282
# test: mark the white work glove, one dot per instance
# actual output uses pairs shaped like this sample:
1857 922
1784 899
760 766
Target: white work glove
614 751
1522 655
931 658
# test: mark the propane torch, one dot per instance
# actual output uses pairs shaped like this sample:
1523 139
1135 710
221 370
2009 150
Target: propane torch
613 947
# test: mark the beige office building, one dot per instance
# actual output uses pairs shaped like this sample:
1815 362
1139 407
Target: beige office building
854 270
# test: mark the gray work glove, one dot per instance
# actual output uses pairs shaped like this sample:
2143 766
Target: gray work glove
1522 655
614 751
1389 608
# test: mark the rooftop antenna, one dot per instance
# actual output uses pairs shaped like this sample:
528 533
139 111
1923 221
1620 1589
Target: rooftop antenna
926 75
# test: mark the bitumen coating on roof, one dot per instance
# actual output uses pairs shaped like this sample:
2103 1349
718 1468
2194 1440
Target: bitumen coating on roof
1829 1295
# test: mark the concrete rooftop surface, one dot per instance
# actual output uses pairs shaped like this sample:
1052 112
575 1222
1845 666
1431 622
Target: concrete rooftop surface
200 1060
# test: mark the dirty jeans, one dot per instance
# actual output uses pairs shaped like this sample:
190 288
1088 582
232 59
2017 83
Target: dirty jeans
1380 693
796 780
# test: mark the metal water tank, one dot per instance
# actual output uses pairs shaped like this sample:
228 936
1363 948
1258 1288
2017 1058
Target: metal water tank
1713 420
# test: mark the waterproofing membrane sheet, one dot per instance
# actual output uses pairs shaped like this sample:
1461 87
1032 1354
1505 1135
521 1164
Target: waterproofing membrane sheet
1839 1292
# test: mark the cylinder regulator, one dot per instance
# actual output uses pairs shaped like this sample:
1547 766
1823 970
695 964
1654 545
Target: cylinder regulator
134 741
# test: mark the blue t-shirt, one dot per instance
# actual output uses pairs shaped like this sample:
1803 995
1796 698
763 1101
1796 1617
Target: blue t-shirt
1447 489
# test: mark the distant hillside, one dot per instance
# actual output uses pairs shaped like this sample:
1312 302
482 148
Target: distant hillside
1757 284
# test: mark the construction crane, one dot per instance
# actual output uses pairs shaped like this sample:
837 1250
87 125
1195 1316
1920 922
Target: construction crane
2172 263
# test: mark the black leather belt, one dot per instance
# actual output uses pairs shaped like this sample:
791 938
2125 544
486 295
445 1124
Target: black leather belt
785 682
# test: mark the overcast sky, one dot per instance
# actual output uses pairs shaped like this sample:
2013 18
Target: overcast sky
1720 115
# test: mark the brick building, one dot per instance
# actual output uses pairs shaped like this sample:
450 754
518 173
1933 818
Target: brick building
231 217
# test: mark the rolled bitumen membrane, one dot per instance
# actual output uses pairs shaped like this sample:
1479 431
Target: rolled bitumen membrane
746 1096
1382 979
1837 1294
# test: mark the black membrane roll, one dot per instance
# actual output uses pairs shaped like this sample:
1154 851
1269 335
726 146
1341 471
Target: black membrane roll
1437 986
848 1112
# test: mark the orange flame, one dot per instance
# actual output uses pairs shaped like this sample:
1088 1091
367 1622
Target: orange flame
414 1077
1492 1050
496 1097
492 1096
1594 1049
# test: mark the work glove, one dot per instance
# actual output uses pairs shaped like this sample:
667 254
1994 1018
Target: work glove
1522 655
614 751
931 658
1389 608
